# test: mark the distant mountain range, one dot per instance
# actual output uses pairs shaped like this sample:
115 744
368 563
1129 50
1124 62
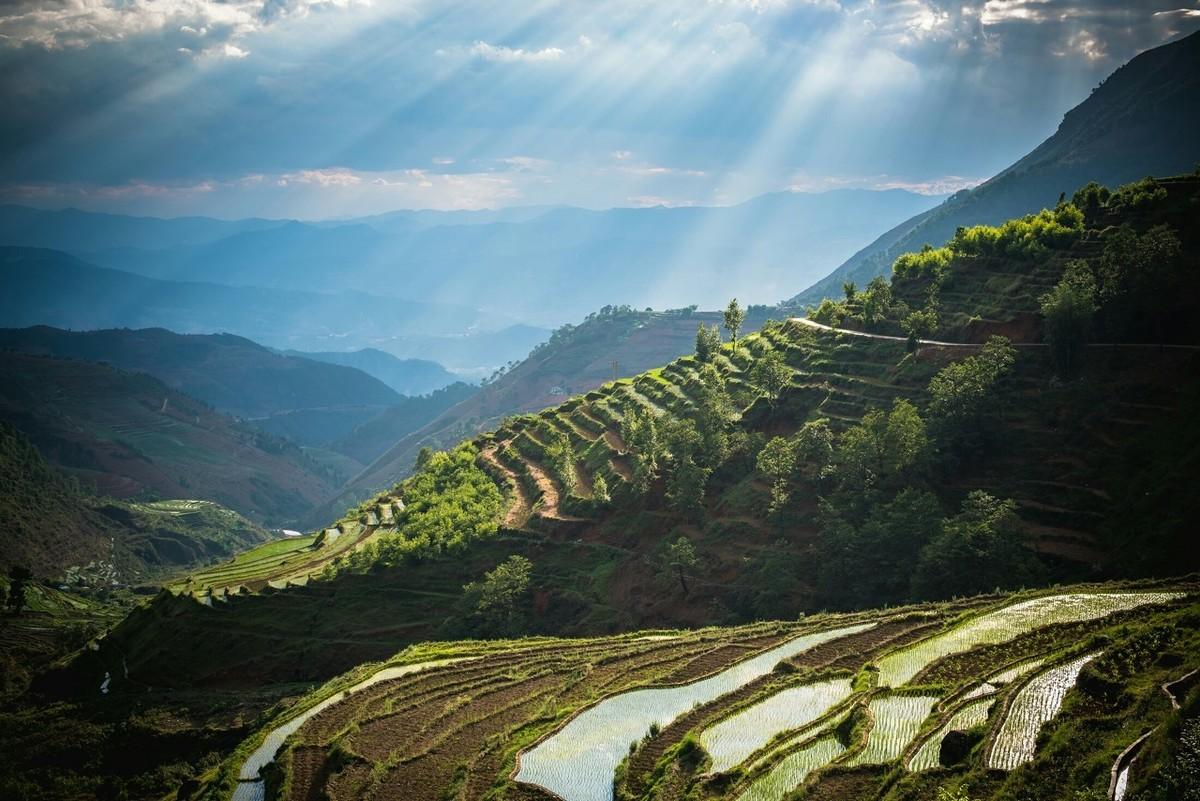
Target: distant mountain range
406 376
49 287
542 266
1143 120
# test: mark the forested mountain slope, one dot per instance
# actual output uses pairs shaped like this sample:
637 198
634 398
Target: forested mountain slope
1140 121
128 435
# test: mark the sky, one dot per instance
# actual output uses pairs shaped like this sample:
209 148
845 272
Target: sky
336 108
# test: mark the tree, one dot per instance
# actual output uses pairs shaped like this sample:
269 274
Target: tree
963 396
496 602
881 446
423 457
600 492
771 375
714 412
869 562
919 325
981 548
876 301
850 289
681 555
708 342
777 461
685 487
562 461
1067 312
639 429
1090 199
814 446
735 315
18 586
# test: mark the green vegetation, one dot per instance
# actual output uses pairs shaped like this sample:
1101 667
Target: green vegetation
1068 310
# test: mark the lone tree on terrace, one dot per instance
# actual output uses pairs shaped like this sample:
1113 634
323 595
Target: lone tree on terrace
771 376
708 342
681 555
735 315
919 325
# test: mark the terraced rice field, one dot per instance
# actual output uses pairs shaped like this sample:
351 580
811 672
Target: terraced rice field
292 560
579 761
735 738
969 715
250 786
1007 623
792 770
897 719
1032 707
547 718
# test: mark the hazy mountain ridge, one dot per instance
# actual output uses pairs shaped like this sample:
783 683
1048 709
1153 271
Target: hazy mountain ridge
408 377
539 265
34 279
228 372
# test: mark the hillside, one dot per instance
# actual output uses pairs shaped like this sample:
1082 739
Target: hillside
574 360
128 435
851 483
368 441
1140 121
55 529
801 469
409 377
530 268
286 319
229 373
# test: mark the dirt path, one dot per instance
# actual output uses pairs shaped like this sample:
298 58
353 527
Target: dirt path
584 478
521 506
551 500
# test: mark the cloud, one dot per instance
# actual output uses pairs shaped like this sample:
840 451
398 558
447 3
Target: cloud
525 163
75 24
656 169
490 52
941 185
653 201
295 193
334 177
